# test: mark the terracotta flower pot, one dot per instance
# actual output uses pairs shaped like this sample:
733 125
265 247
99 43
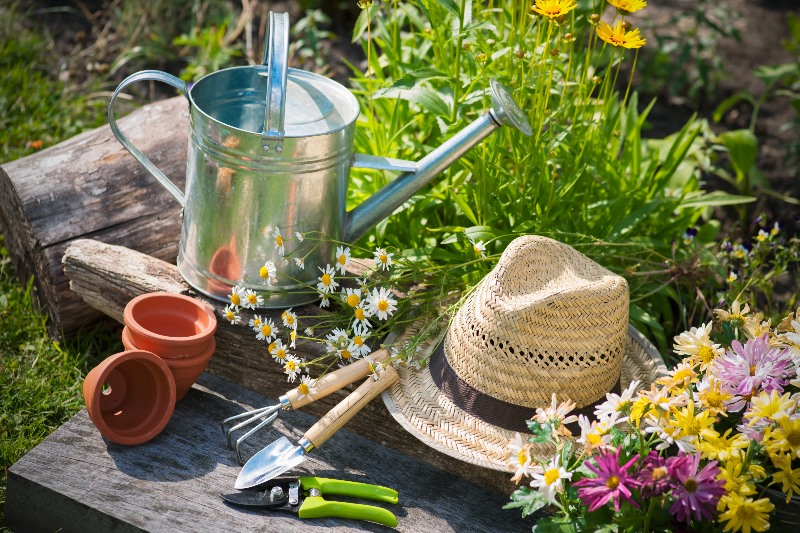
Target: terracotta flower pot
185 369
170 324
130 396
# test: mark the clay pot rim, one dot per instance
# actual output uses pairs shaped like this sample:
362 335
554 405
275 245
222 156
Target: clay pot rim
111 363
127 339
180 362
138 329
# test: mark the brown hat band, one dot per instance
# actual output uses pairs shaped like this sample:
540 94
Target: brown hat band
492 410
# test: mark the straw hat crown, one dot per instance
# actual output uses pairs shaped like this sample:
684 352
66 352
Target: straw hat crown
546 319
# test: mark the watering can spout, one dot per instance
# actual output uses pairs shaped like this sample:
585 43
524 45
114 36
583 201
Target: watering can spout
380 205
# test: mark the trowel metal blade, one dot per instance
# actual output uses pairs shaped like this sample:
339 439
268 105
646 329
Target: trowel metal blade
270 462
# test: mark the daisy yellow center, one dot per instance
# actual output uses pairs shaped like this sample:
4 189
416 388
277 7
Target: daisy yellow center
289 319
257 323
291 365
383 258
342 259
303 388
714 398
477 250
326 279
252 298
683 374
360 313
690 485
264 272
280 354
235 300
358 341
551 476
230 315
745 513
353 300
793 438
383 305
266 330
522 457
279 240
705 354
659 472
346 354
594 439
271 347
692 427
612 482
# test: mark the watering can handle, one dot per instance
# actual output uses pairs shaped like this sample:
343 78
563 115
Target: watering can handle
146 75
276 59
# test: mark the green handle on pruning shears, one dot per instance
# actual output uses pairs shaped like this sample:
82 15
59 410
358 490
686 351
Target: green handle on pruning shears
339 487
318 507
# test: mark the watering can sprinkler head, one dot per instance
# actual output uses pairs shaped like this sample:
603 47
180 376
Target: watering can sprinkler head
505 110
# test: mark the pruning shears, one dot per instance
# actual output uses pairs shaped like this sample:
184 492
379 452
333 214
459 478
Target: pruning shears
303 496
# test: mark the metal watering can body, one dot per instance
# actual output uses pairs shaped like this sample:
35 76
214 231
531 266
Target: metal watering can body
270 152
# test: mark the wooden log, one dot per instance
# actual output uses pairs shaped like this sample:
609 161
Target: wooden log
90 186
108 276
74 481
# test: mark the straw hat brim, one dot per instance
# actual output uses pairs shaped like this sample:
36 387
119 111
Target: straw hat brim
424 411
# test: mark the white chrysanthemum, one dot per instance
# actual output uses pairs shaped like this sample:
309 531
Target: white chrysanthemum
594 434
697 343
255 323
251 299
337 338
383 259
230 314
236 296
291 367
547 478
381 303
269 272
327 283
617 403
307 387
289 318
267 331
278 351
519 460
351 297
342 258
360 335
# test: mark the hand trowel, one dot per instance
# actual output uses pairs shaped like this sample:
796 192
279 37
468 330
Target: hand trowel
282 455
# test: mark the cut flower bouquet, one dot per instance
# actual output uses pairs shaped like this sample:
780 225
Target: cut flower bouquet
714 445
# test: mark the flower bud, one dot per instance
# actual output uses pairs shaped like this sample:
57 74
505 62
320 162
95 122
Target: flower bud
626 25
520 53
597 80
554 52
594 18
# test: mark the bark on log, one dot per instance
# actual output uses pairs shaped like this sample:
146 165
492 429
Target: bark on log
90 186
108 276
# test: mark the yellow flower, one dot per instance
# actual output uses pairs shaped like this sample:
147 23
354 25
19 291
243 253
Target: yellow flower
619 37
736 316
691 424
785 438
626 7
679 377
746 514
639 408
788 476
711 397
721 447
770 405
735 481
553 9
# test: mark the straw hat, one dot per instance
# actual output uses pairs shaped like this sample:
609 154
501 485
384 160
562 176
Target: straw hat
546 319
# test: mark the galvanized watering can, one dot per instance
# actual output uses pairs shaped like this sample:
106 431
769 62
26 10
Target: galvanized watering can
272 147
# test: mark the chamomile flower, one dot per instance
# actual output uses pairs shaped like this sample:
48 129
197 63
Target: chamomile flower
251 300
300 263
375 369
478 247
236 296
547 478
293 339
255 323
360 335
278 240
520 458
337 338
381 303
299 236
346 353
383 259
325 301
267 330
351 297
278 351
292 367
327 283
361 317
342 259
269 273
230 314
306 388
362 282
289 318
619 37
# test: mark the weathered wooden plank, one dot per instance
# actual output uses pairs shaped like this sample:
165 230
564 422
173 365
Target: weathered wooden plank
77 481
89 186
109 276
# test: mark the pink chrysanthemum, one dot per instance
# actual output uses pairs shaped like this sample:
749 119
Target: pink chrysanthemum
751 368
653 477
612 482
695 492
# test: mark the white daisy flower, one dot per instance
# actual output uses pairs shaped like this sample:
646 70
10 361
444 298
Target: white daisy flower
278 351
375 369
360 335
697 343
237 296
307 387
547 478
308 332
383 259
325 302
269 272
557 415
520 458
478 247
291 367
342 258
289 318
617 403
293 338
300 263
267 331
594 435
362 282
381 303
251 299
299 236
255 323
230 314
346 353
351 297
327 283
337 338
278 239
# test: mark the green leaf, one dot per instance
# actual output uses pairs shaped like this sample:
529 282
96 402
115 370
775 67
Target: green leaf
629 222
465 207
555 524
742 148
715 198
451 6
421 4
772 74
430 100
409 82
363 21
729 102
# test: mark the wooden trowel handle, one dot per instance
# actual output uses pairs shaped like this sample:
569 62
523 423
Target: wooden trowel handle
337 379
347 408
